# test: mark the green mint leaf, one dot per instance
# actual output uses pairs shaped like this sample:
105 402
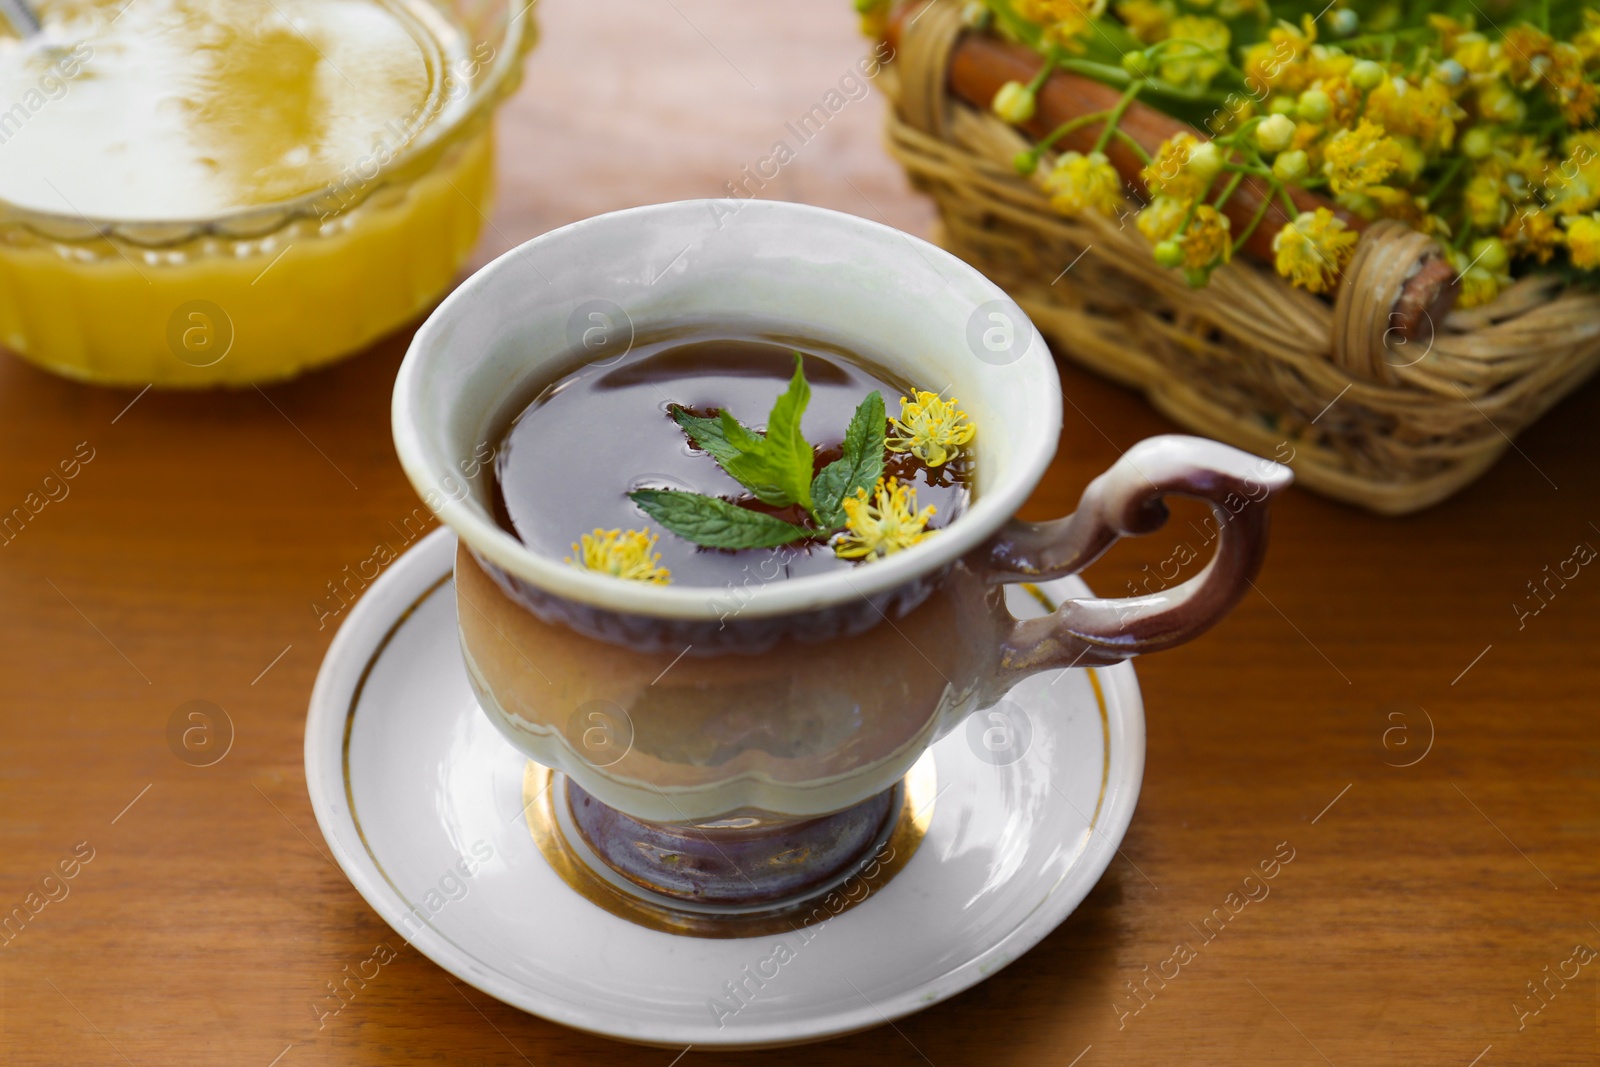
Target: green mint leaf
739 436
706 435
715 523
752 466
859 467
786 443
776 466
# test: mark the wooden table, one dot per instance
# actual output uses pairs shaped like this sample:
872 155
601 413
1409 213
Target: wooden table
1421 900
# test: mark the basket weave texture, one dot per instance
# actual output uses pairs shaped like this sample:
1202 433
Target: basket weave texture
1361 415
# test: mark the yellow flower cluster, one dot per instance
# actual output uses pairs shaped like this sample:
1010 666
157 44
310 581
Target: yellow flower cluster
883 523
932 429
1483 138
1355 159
621 554
1199 51
1583 240
1313 250
1063 23
1183 168
1080 182
1206 241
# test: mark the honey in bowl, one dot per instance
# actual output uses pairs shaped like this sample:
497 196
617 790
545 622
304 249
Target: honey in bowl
201 191
581 469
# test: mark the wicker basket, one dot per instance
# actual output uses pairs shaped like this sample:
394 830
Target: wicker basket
1249 360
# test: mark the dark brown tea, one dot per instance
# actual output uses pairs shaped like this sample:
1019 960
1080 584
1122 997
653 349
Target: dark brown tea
570 459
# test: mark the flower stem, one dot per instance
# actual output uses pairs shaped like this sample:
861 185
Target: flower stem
1116 76
1128 139
1261 213
1116 115
1227 190
1067 127
1290 206
1040 78
1445 179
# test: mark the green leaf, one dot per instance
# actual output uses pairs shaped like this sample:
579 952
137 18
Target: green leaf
859 467
776 467
706 435
715 523
785 442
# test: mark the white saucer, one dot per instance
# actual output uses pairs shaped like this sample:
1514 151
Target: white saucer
421 801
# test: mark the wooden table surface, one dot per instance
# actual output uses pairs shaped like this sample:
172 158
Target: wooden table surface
1422 900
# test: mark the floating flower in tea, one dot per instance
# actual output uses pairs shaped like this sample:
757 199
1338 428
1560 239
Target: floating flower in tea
883 524
621 554
931 429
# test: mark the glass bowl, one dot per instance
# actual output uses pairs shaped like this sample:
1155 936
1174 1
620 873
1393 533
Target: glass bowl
267 292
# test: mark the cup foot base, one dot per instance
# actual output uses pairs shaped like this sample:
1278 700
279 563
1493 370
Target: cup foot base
767 878
735 860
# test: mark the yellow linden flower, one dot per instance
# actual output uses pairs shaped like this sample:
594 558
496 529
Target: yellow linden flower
1567 86
1042 11
1575 183
1184 166
1533 58
1147 20
1486 208
1063 22
1262 64
931 429
1278 62
1357 158
1473 52
1533 233
1583 240
1313 249
1161 218
621 554
1325 64
882 524
1190 64
1587 40
1079 182
1528 158
1300 38
1449 29
1479 285
1527 52
1344 100
1207 240
1425 111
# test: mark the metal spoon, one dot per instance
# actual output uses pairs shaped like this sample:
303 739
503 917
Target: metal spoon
21 16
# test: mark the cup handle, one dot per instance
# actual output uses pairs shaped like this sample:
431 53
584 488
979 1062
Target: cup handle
1127 501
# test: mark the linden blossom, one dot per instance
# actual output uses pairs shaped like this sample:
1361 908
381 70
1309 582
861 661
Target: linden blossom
1423 119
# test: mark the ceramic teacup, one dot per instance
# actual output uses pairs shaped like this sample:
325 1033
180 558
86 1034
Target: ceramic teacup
773 718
